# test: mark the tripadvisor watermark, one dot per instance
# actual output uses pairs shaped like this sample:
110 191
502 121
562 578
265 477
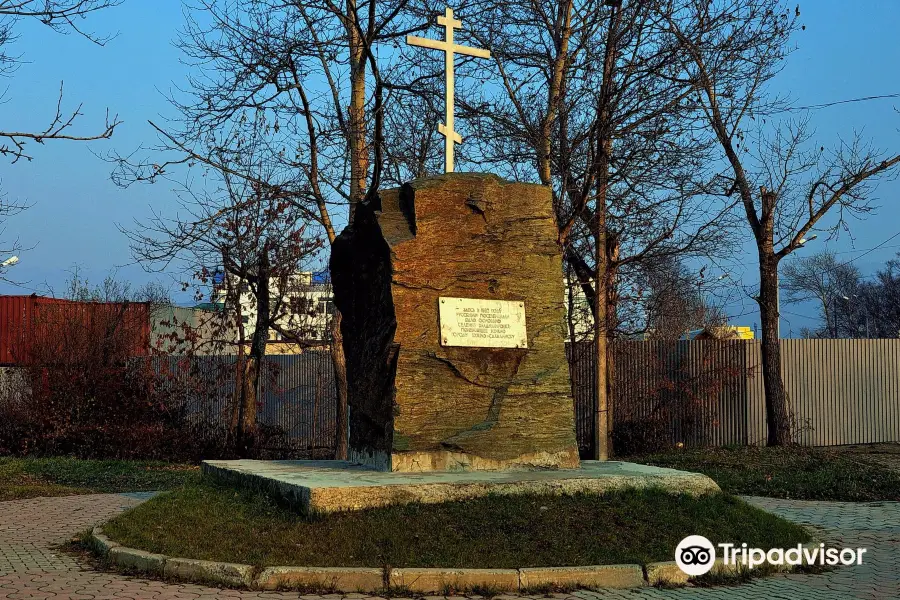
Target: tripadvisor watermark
696 555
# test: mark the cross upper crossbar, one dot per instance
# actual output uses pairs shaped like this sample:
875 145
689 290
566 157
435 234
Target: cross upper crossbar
450 48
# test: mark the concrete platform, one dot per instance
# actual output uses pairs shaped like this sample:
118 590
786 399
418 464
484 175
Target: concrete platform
325 486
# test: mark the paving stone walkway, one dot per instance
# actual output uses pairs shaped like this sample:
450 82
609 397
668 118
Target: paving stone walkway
871 525
31 568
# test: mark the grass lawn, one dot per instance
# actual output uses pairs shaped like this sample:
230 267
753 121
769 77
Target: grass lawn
217 523
32 477
843 474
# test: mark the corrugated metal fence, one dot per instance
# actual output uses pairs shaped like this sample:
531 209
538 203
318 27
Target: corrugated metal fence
699 393
842 391
581 371
36 328
296 400
709 393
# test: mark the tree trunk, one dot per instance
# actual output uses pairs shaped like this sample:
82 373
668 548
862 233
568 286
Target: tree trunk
249 382
601 406
257 351
778 423
555 91
341 433
237 403
603 420
829 320
602 412
612 323
237 408
359 152
359 168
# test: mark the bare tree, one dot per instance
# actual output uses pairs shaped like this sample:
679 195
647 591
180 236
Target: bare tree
676 300
112 289
304 80
879 302
260 238
10 248
785 187
824 279
62 16
852 306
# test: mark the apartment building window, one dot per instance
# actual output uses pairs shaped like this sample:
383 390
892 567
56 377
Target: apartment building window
326 306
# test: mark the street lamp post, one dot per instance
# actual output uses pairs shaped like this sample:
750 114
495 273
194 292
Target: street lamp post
848 300
850 328
801 243
834 323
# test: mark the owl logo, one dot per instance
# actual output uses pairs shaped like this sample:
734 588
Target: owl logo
695 555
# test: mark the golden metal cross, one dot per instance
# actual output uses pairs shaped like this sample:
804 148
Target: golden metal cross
449 48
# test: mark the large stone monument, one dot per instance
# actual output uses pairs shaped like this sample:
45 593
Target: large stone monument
451 292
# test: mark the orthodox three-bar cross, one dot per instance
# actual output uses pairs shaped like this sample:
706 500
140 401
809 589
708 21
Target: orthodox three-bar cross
449 48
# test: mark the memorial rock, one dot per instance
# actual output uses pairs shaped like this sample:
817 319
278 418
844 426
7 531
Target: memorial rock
451 292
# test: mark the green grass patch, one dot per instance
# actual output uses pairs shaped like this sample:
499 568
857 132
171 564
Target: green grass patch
16 483
210 522
792 472
32 477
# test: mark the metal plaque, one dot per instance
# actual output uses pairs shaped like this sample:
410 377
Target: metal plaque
482 323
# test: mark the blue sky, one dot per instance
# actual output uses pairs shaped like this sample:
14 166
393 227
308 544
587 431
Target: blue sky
848 50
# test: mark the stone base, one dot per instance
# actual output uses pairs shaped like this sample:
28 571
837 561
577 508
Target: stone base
444 460
330 486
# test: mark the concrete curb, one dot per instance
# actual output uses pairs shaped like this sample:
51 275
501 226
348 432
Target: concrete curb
102 544
440 580
421 581
203 571
667 574
137 560
599 576
339 579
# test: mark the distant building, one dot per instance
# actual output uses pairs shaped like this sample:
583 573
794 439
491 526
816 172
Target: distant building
582 319
720 332
307 309
199 330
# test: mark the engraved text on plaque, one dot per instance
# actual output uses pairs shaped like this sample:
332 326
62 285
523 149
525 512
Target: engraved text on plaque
482 323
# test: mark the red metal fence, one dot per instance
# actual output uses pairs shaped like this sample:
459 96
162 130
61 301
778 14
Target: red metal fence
27 322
